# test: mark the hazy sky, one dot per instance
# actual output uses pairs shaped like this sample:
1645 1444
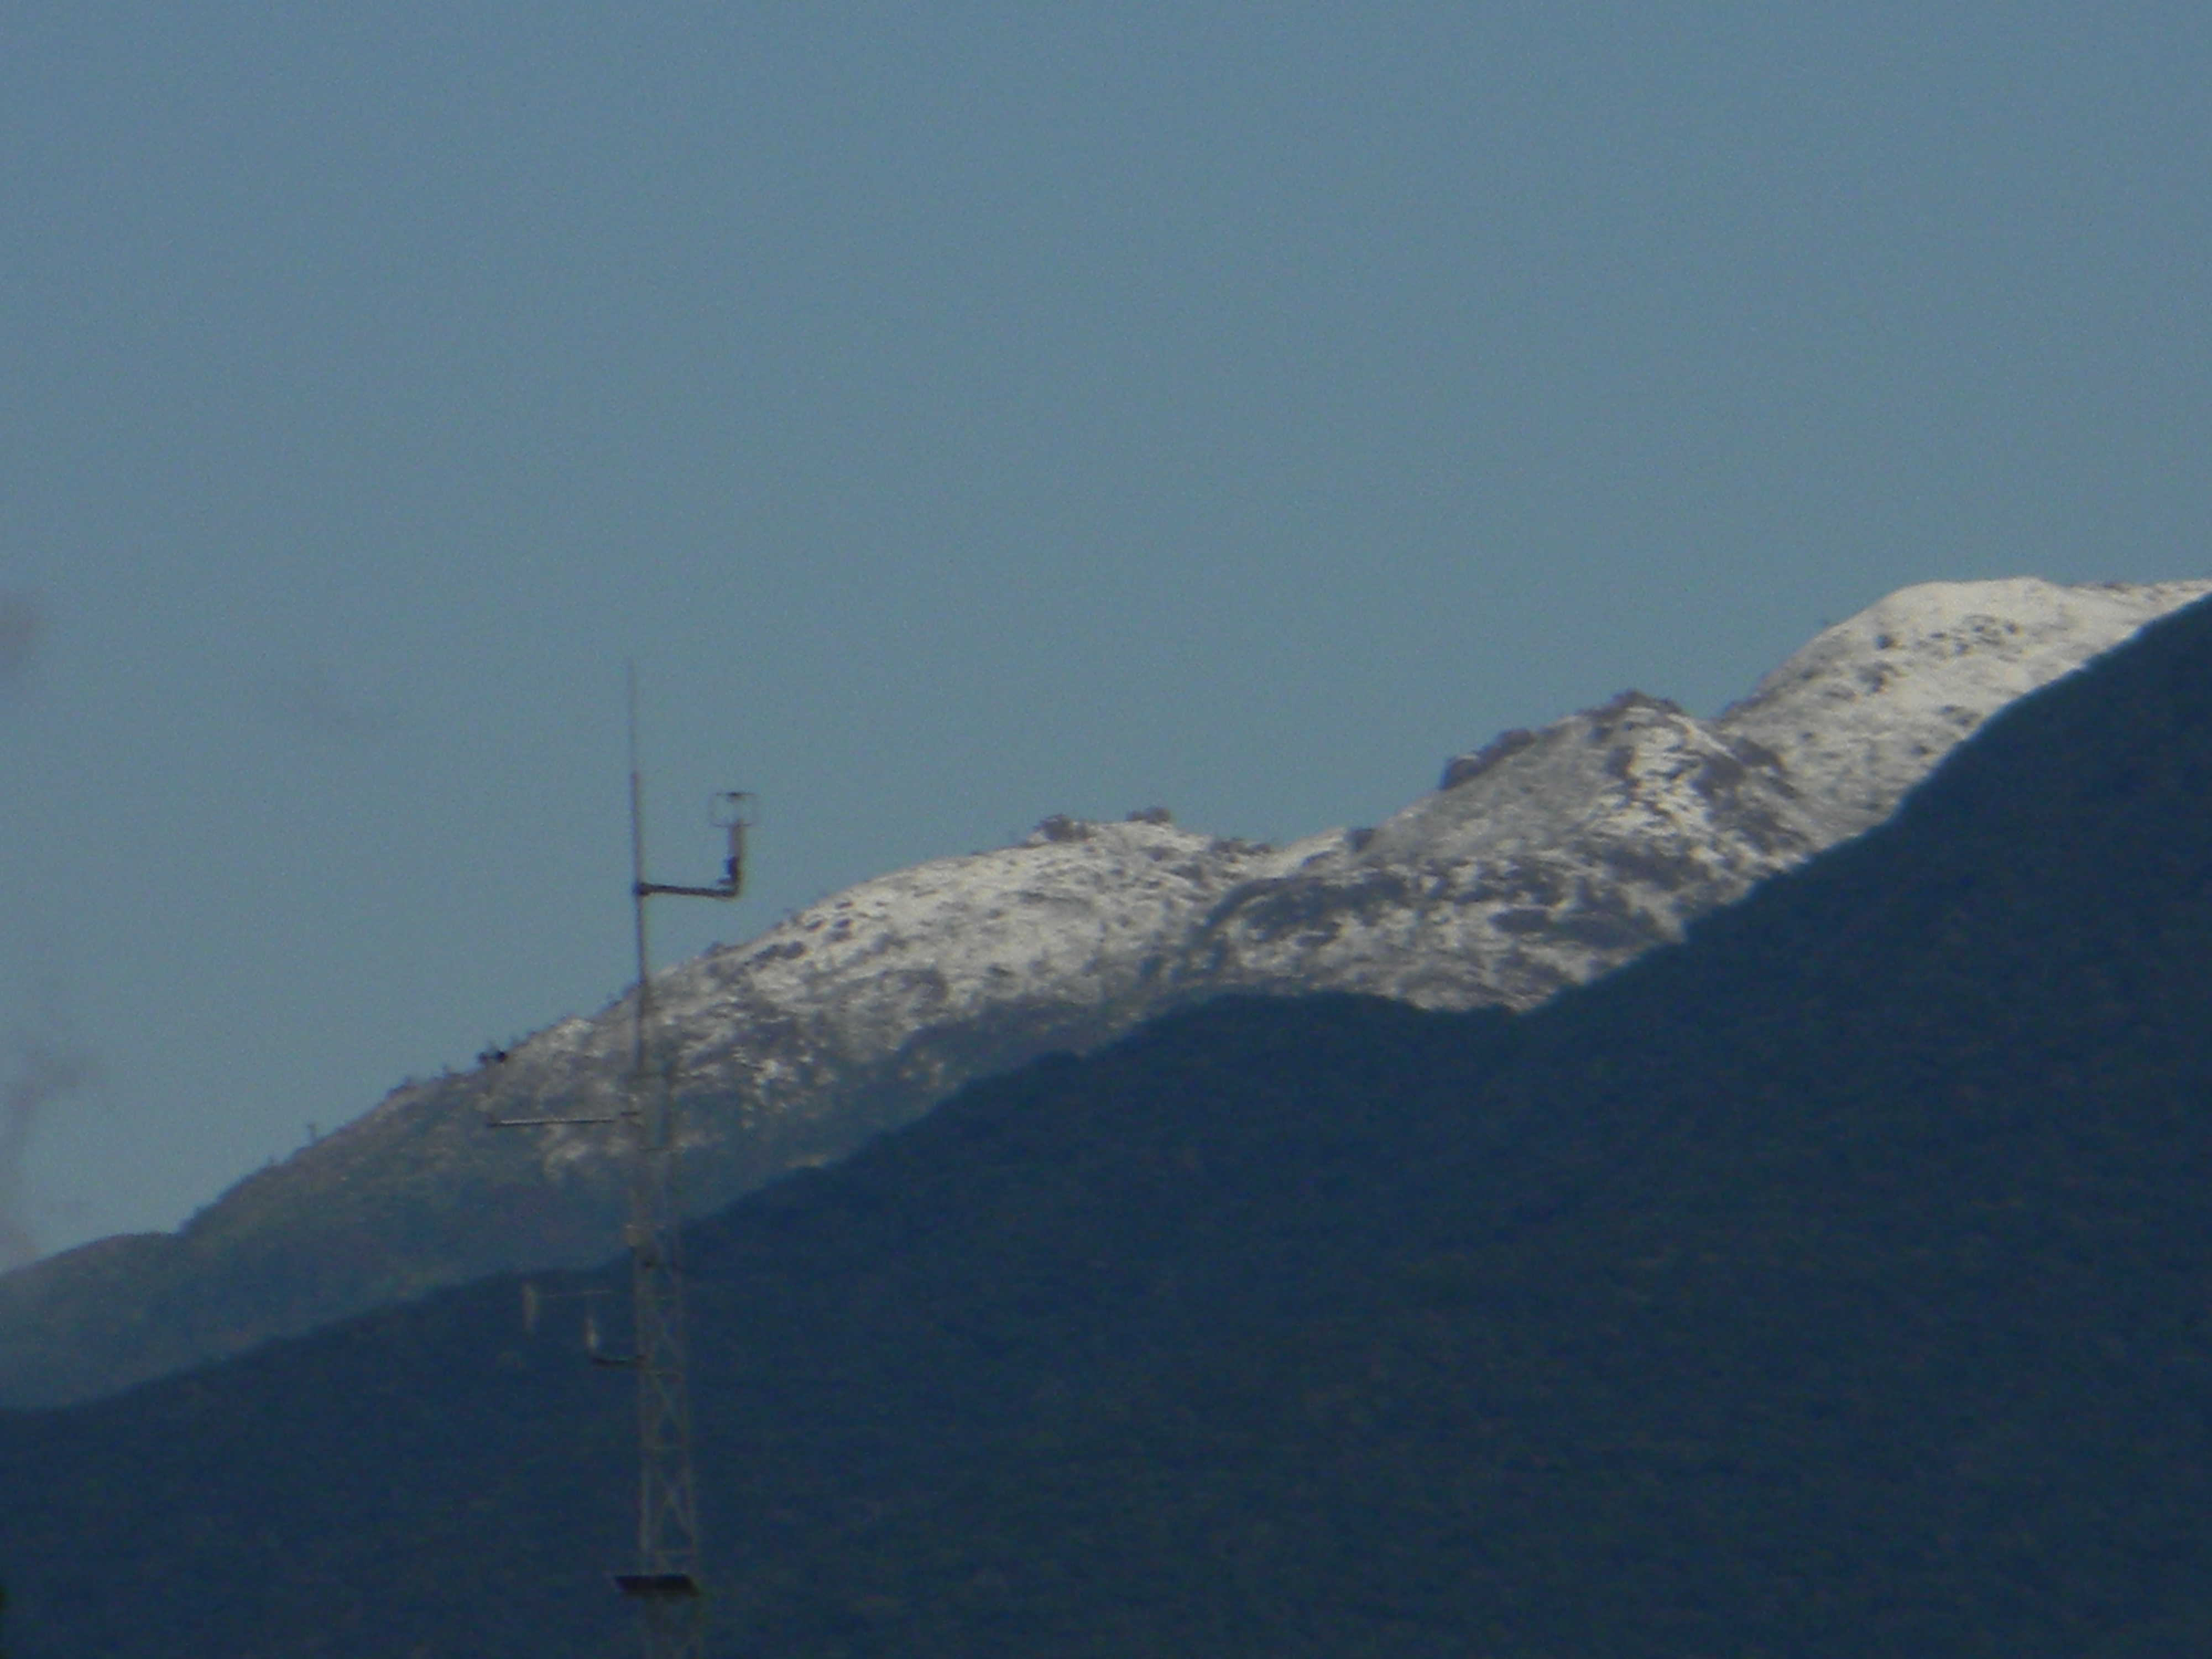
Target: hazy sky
963 413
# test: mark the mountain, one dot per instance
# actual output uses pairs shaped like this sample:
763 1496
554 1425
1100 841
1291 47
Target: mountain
1542 861
1836 1281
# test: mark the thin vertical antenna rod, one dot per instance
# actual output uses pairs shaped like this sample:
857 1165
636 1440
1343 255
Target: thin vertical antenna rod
642 1020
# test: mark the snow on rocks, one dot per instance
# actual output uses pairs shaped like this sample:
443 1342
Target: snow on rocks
1545 859
1867 709
857 1012
1550 857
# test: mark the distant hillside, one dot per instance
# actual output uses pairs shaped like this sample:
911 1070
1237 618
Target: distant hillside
1544 859
1838 1283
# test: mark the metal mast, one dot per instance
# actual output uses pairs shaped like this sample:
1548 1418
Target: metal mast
665 1584
667 1578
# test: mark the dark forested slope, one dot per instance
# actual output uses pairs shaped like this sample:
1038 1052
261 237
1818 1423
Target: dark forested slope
1838 1283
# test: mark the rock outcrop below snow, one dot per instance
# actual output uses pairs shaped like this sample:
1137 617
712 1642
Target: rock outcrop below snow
1547 858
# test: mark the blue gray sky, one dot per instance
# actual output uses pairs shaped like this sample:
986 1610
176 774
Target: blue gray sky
963 413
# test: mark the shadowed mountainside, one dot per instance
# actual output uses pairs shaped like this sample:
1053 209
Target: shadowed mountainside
1543 861
1838 1282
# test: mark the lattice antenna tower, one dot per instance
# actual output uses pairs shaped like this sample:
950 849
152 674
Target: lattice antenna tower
664 1582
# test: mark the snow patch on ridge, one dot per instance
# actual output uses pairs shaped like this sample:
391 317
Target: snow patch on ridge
1870 706
1546 858
909 984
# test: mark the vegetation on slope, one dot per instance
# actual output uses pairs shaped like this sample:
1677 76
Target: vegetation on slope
1838 1283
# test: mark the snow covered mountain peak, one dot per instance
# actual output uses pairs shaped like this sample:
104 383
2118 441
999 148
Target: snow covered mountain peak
1865 711
1546 858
